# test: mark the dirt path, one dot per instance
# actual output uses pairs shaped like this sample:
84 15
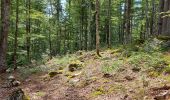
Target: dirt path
92 84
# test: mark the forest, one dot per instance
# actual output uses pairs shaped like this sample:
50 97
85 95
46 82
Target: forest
85 50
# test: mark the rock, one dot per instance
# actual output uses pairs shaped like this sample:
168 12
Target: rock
165 38
116 51
16 83
77 73
18 95
76 65
162 96
74 81
129 78
145 83
79 53
11 78
54 73
136 69
106 75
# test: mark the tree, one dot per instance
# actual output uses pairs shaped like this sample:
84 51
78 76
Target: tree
5 16
97 28
127 21
28 29
16 35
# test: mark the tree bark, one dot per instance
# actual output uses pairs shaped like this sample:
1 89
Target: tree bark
5 16
97 28
16 35
28 29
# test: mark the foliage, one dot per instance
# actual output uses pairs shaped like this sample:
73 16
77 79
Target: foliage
113 67
25 72
149 61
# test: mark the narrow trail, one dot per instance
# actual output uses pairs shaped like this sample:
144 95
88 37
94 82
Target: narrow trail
90 83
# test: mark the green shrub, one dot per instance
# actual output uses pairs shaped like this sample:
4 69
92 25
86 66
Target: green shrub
151 61
25 72
115 65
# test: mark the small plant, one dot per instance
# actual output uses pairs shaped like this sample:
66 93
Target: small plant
115 65
26 72
146 60
99 91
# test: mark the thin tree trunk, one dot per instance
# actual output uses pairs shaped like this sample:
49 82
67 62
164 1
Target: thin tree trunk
160 21
28 29
16 35
109 22
89 25
152 17
97 28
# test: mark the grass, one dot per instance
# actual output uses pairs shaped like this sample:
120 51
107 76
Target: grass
106 68
25 72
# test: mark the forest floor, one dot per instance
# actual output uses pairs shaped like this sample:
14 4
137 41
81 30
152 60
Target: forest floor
117 75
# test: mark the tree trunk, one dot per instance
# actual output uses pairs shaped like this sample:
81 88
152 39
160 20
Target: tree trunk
127 23
109 22
16 35
160 21
164 20
152 17
97 28
5 16
28 29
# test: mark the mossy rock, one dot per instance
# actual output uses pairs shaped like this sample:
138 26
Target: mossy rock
79 53
75 65
54 73
18 95
99 91
167 58
165 38
136 69
153 74
116 51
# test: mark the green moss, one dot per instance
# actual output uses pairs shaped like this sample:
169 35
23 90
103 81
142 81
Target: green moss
75 65
167 58
98 91
26 97
41 94
167 69
161 37
54 73
116 50
153 74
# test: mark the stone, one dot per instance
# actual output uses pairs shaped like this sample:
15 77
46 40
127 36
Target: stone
75 65
18 95
11 78
162 96
54 73
129 78
136 69
16 83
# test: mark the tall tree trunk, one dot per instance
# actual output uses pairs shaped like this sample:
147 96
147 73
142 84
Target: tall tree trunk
89 25
5 16
109 22
49 35
160 21
28 29
16 35
127 23
97 28
147 19
152 17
